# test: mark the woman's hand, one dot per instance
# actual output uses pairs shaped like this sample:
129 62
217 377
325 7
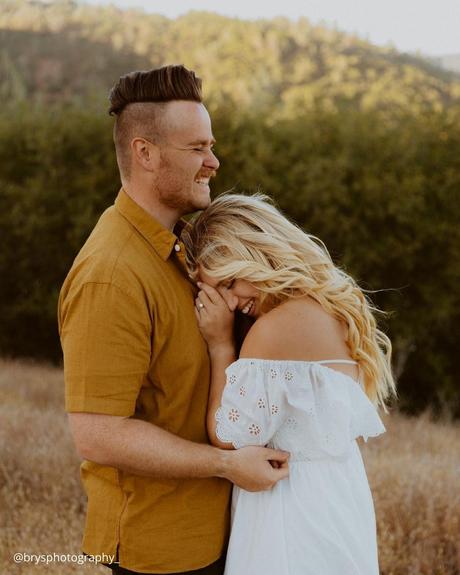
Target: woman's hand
215 310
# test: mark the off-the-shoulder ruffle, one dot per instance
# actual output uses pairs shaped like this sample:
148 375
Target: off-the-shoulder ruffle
307 408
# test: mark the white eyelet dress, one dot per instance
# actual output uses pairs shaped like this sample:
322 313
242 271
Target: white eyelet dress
320 520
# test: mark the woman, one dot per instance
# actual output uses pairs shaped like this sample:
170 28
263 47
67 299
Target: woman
311 371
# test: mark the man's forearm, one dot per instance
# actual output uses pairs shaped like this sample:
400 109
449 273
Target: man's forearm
144 449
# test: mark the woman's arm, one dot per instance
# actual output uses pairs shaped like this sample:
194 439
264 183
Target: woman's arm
221 358
214 311
215 315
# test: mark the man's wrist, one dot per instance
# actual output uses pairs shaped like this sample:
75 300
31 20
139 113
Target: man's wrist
222 463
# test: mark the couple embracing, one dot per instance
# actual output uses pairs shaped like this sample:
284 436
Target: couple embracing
203 452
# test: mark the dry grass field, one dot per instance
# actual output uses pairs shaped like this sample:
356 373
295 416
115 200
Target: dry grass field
414 472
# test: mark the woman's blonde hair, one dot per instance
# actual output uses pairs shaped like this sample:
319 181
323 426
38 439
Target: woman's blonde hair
246 237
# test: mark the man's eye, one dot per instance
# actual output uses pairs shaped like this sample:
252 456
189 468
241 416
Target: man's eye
229 285
210 148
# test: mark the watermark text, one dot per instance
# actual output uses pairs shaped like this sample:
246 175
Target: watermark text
47 558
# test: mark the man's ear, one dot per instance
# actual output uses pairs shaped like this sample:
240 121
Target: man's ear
145 154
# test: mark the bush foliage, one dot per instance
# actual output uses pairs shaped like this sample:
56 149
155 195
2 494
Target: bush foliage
383 194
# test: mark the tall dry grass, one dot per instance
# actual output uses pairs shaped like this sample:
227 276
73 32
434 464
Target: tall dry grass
41 500
414 472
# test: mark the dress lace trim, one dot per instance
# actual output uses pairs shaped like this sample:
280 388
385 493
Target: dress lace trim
304 407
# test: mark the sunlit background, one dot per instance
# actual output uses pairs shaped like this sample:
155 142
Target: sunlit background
346 113
424 26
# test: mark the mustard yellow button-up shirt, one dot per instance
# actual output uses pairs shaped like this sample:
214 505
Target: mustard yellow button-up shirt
132 348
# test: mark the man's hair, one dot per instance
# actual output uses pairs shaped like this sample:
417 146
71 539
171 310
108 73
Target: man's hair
158 85
137 100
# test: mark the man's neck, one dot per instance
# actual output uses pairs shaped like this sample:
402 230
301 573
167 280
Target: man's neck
167 217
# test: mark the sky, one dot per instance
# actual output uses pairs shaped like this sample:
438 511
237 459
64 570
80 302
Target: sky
431 27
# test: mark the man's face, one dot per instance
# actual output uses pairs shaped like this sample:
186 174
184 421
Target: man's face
187 161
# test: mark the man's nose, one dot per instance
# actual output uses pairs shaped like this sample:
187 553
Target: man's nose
211 161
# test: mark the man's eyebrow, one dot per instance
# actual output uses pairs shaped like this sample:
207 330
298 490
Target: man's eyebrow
203 142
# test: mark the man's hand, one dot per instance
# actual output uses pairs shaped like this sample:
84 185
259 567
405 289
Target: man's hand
251 469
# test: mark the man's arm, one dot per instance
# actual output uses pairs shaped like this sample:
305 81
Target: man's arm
142 448
106 336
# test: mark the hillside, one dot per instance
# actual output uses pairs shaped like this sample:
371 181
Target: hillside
449 62
63 50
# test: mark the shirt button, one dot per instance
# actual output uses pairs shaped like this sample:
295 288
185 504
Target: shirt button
177 247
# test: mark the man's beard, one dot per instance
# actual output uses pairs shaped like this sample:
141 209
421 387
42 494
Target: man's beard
177 195
177 198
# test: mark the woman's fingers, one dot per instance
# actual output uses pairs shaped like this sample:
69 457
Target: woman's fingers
214 317
210 300
212 294
200 307
204 300
218 297
229 298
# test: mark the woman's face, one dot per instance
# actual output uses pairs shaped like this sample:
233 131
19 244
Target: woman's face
247 297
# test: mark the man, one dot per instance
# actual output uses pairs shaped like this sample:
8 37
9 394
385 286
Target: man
136 367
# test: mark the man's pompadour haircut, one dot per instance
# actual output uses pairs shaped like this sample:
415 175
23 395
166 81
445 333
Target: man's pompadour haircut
166 84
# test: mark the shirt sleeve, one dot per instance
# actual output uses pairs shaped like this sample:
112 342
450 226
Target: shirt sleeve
106 337
252 408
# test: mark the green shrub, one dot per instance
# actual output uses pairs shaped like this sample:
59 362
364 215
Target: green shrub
382 193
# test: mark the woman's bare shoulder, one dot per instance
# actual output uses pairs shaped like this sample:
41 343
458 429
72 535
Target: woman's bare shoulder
298 329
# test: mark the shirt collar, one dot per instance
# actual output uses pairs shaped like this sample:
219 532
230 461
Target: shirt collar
160 238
